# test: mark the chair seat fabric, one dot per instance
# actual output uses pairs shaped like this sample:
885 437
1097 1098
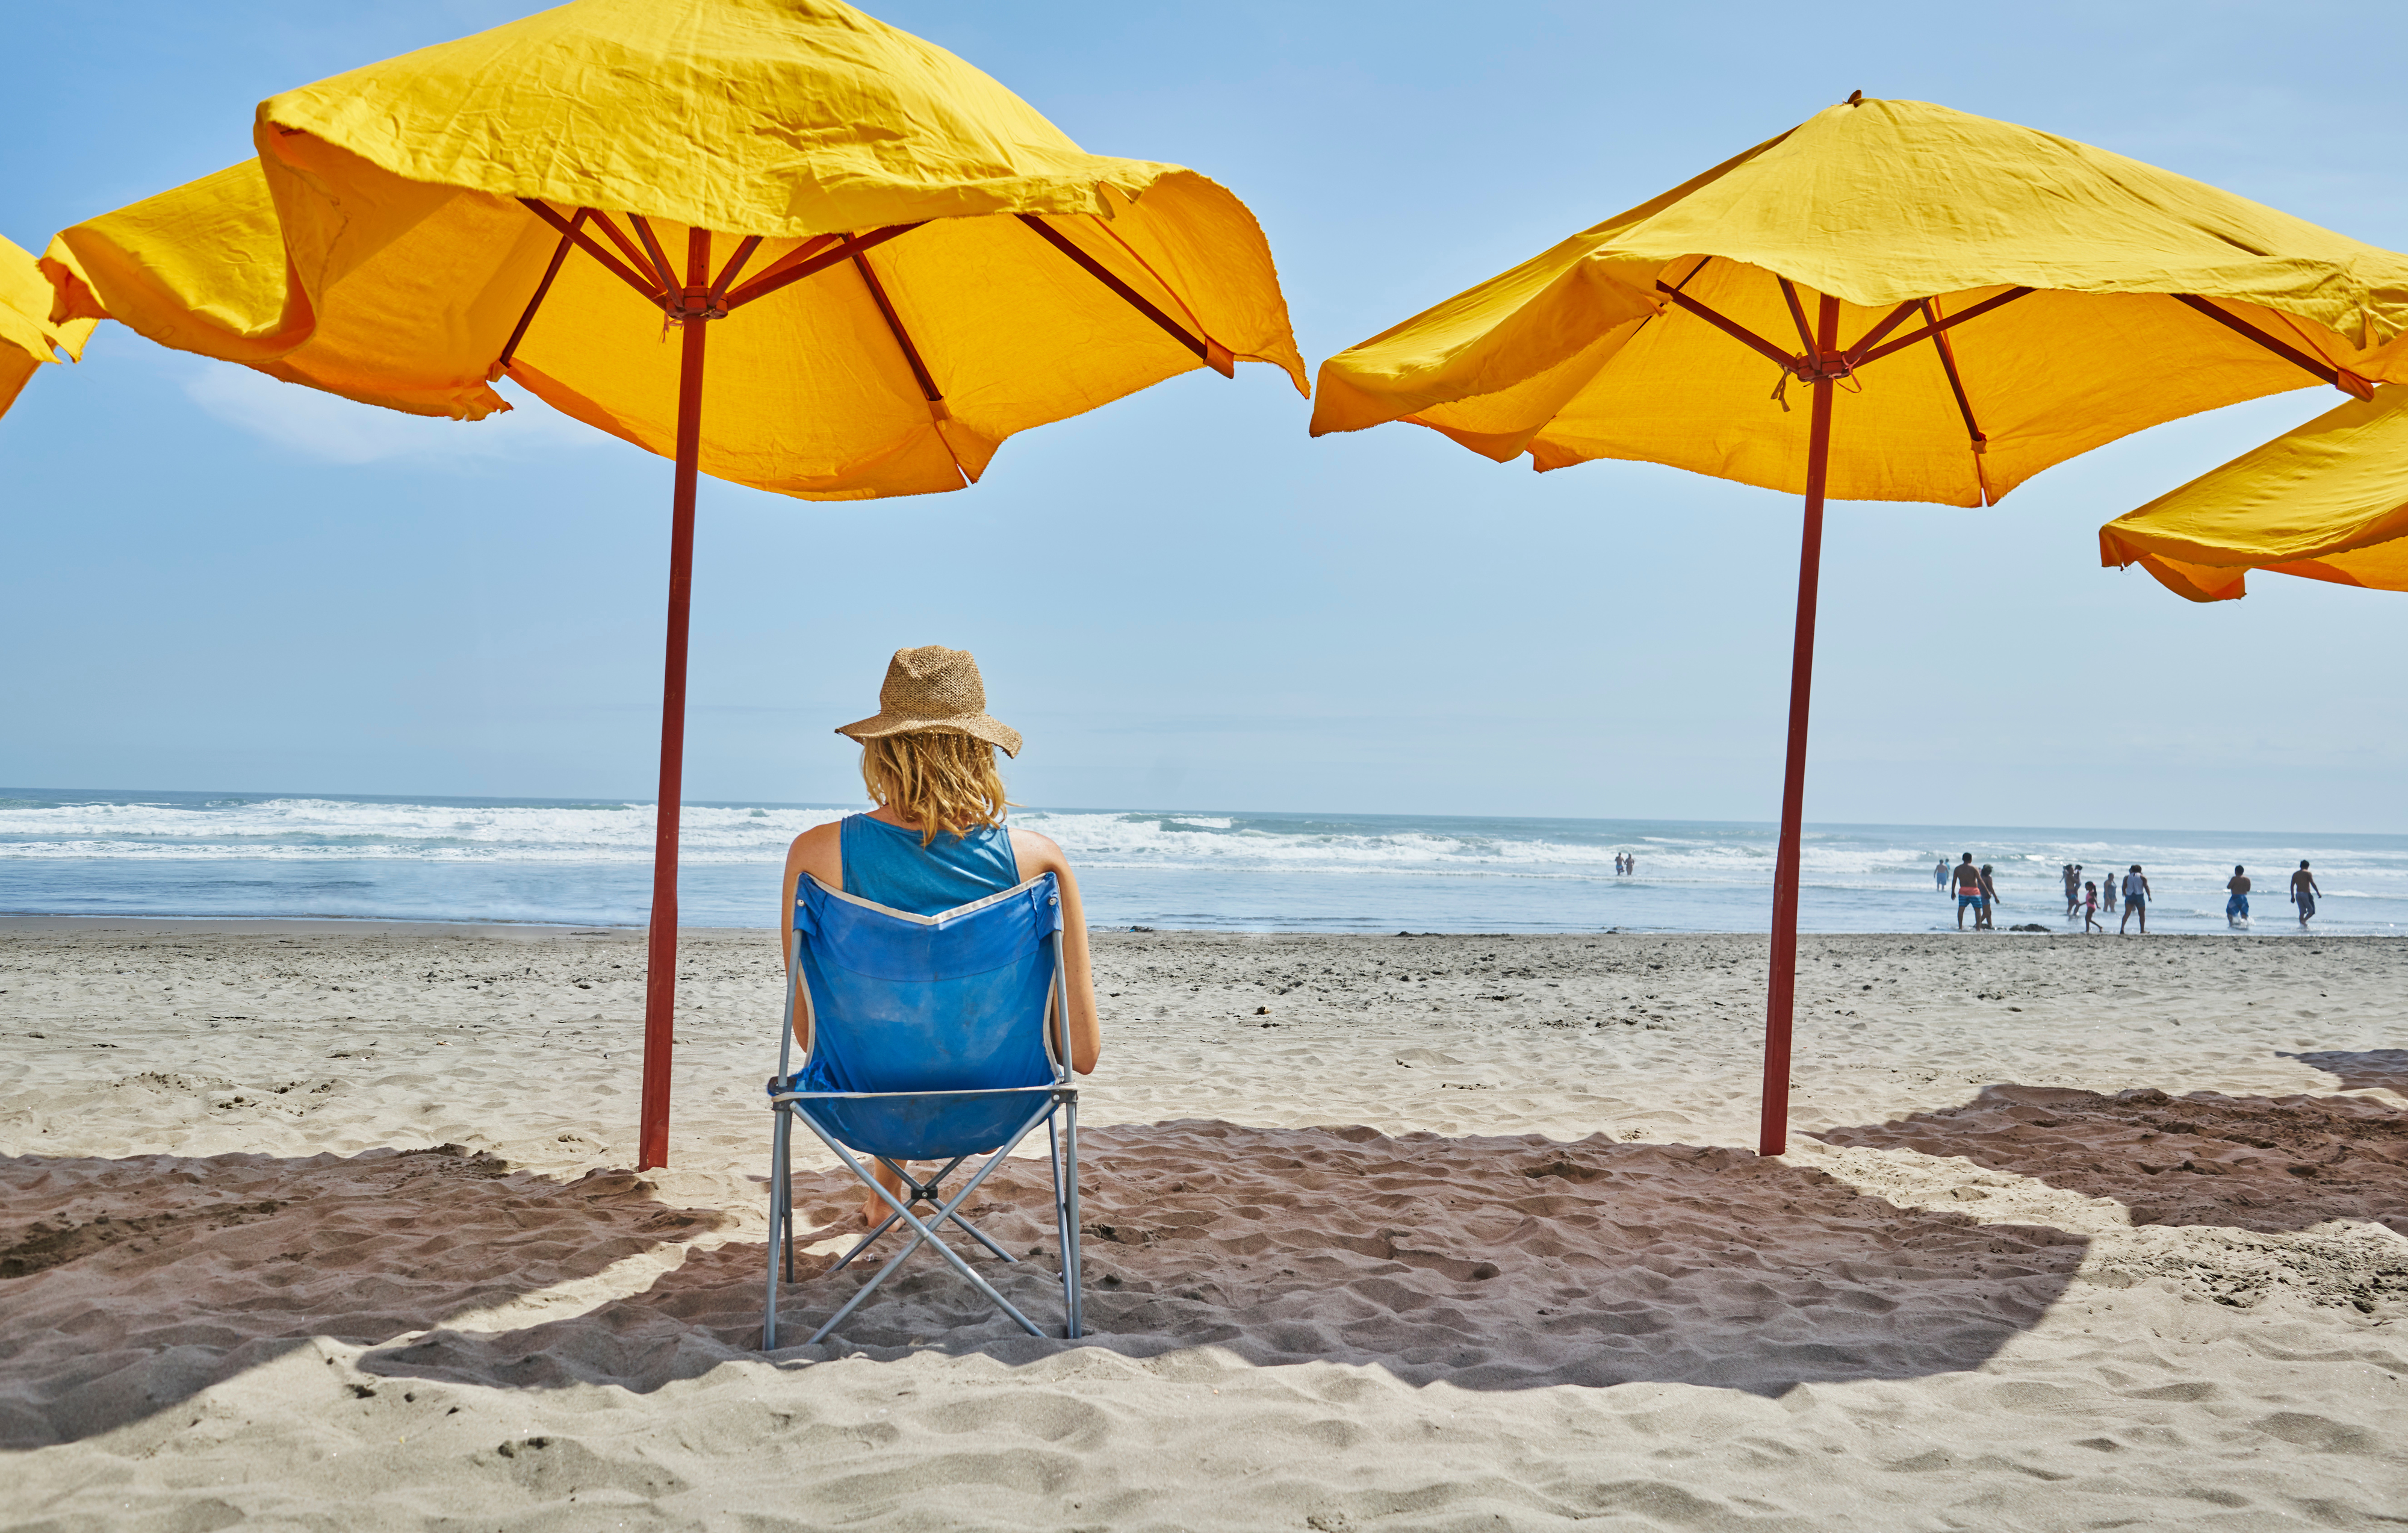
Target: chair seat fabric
906 1003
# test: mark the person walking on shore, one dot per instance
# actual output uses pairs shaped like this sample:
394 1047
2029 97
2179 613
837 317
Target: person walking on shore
2236 906
2304 893
1969 891
2136 900
2090 910
2073 887
1989 900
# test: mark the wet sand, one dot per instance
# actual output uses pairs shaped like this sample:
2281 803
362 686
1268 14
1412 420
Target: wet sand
331 1225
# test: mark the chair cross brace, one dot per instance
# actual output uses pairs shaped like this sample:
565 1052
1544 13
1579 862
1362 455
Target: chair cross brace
921 1192
923 1233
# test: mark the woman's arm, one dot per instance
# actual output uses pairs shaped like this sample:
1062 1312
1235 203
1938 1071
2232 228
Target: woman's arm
1038 854
820 852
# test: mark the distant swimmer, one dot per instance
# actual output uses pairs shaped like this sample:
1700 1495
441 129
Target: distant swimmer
2107 894
1630 863
2090 908
1939 875
1969 891
2236 906
1989 899
2304 893
2136 900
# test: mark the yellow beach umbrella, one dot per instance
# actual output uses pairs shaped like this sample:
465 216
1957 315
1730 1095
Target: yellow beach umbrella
2328 501
903 265
1966 302
28 338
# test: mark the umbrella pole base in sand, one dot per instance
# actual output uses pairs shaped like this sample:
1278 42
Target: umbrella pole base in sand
1772 1137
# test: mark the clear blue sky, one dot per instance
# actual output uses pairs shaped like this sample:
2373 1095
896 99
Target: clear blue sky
214 581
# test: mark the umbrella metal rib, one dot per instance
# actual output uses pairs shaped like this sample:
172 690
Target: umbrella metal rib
781 272
1957 386
2339 378
559 257
928 389
1211 355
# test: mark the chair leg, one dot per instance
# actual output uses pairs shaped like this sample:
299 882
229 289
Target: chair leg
787 1198
1070 1268
777 1172
1061 1216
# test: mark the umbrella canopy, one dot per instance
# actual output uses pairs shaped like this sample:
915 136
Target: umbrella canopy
1985 299
2112 295
2328 501
906 263
968 271
28 338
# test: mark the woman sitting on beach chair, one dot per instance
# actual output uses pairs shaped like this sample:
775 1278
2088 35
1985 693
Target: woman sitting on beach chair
937 840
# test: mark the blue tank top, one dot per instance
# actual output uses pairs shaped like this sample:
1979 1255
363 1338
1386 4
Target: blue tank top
887 864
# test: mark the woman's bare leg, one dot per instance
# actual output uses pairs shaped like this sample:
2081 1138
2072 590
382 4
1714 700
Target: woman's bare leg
873 1207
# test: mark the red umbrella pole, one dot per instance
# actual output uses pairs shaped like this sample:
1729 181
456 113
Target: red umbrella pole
660 958
1772 1137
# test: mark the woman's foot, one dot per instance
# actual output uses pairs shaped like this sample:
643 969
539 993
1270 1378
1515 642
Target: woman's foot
874 1210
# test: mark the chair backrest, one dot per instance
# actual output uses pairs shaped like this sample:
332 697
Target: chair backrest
894 1003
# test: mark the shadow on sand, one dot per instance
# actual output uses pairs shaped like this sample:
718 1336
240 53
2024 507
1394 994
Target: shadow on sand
2271 1165
126 1286
2359 1069
1487 1263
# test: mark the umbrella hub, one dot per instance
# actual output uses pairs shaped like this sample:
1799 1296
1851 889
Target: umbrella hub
1821 365
695 302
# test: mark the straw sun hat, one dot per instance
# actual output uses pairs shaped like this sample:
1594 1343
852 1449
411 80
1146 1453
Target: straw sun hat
937 689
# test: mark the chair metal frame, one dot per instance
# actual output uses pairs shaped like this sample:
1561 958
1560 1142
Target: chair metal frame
1058 1113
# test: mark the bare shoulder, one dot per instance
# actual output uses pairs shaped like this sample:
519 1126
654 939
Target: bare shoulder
817 852
1037 853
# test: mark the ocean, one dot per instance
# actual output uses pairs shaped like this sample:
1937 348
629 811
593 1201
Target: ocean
589 864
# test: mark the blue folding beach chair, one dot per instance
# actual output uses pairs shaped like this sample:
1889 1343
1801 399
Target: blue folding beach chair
926 1038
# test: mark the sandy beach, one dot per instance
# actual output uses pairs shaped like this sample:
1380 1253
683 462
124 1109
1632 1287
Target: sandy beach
324 1225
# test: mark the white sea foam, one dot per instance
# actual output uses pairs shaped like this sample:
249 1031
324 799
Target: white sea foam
283 829
1176 867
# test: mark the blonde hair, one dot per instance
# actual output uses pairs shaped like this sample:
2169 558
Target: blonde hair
935 779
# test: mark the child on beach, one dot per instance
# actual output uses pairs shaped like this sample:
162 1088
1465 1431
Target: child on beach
1989 899
937 837
2090 908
